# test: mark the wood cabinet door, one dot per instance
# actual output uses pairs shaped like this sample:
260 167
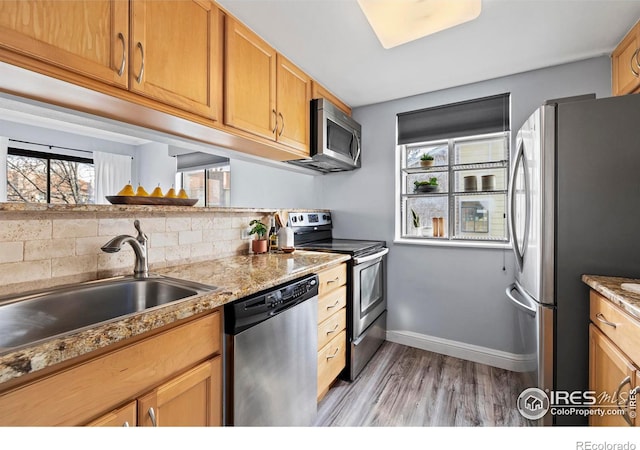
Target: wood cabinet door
250 81
191 399
611 374
293 94
88 37
124 416
176 54
625 64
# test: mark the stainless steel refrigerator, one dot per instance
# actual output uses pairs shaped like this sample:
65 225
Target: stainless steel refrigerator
574 207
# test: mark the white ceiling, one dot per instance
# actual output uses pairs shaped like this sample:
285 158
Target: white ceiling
332 41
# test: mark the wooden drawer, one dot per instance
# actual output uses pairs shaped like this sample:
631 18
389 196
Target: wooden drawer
124 416
333 278
331 361
617 325
329 303
333 325
81 393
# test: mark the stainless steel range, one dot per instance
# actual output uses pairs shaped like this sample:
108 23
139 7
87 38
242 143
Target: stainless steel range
366 281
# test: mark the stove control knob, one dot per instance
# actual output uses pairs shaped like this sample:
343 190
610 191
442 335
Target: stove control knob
294 219
325 217
301 217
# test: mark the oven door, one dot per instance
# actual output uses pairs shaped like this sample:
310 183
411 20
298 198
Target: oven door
369 290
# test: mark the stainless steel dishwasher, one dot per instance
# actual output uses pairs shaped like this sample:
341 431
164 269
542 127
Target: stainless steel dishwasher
271 348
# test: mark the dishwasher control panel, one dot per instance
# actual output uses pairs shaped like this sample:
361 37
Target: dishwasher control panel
249 311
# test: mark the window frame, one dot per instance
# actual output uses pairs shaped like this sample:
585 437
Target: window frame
181 172
449 240
14 151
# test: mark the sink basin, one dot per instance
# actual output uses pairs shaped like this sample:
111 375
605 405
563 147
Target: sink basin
28 319
631 287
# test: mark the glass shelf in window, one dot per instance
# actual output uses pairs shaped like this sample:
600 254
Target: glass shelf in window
442 179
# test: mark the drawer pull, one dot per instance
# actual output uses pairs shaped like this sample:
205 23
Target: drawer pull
335 280
152 416
334 354
602 319
334 305
125 424
334 329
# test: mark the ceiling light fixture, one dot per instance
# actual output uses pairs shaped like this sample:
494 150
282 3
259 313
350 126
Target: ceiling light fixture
397 22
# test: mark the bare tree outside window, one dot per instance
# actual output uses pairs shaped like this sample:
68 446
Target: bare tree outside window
34 179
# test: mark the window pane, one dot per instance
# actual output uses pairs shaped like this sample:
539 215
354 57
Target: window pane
440 153
193 183
441 182
26 179
481 151
481 217
483 180
425 209
72 182
218 186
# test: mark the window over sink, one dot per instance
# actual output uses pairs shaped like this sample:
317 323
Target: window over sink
452 173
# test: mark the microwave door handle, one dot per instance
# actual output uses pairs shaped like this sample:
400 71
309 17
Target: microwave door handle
355 160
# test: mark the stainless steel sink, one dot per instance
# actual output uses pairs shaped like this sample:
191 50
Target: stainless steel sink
31 318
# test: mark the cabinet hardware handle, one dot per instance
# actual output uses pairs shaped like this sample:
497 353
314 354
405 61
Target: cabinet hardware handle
282 117
121 70
125 424
152 416
275 120
139 77
335 280
334 354
334 305
635 56
625 380
334 329
602 319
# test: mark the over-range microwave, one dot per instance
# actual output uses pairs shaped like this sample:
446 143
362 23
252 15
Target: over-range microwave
335 139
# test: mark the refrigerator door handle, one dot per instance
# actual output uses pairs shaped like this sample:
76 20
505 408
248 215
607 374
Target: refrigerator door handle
520 159
527 308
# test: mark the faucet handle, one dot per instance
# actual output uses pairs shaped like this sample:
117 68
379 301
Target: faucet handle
142 237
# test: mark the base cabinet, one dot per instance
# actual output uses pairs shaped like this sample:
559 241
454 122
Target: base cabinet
177 372
332 319
614 367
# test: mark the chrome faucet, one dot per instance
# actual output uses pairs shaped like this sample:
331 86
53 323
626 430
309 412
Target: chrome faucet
140 248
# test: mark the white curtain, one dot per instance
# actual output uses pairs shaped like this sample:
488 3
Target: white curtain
112 173
4 146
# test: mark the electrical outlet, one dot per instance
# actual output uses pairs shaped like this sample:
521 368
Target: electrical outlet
245 234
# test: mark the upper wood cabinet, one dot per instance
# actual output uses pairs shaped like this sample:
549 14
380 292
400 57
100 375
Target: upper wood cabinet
176 54
625 63
319 91
89 37
265 94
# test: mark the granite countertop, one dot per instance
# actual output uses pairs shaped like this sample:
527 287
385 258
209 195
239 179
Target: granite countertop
236 276
610 287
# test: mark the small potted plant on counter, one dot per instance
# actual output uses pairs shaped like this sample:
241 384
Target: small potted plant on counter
259 244
426 160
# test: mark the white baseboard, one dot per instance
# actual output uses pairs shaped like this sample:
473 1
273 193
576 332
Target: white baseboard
469 352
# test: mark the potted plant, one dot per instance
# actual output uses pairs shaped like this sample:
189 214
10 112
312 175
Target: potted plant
426 186
415 218
259 244
426 160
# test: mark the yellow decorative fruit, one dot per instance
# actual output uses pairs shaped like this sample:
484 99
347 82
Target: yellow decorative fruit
127 190
141 192
171 193
157 192
183 194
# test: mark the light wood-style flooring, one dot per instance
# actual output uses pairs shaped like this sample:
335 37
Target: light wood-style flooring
405 386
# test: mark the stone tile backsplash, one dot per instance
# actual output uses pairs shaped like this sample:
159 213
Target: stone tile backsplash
40 249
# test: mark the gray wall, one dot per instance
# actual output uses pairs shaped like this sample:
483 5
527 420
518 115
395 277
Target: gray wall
258 186
445 292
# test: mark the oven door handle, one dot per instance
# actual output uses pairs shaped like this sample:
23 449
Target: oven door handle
368 258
